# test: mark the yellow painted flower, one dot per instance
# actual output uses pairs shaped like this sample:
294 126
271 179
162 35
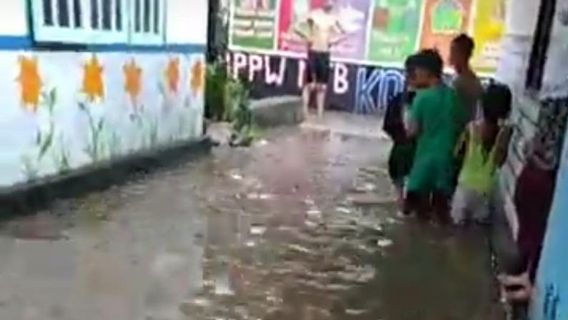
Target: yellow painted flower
30 82
173 75
93 85
132 80
197 77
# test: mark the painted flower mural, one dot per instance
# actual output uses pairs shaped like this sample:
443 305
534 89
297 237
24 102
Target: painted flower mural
30 82
197 77
172 75
132 80
93 84
56 142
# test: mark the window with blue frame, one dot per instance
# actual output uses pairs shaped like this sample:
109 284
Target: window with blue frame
98 21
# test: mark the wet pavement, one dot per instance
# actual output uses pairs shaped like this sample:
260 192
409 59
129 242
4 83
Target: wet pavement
266 232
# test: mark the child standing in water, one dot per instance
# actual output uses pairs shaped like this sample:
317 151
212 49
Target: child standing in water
402 152
466 83
436 120
486 142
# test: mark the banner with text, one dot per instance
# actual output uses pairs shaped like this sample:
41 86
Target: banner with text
377 32
394 30
353 88
253 24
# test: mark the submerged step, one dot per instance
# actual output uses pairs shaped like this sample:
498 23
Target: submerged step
277 111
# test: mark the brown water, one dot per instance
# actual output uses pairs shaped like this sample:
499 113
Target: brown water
260 233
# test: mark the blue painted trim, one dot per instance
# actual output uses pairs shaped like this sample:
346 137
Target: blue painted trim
25 43
176 48
15 42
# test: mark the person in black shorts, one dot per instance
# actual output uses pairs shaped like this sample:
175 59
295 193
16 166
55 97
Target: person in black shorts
318 68
322 33
402 153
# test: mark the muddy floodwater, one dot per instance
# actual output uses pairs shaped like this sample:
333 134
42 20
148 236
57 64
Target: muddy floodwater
269 232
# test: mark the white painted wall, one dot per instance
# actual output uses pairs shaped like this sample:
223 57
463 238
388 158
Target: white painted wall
521 19
171 115
555 81
13 18
187 21
159 117
522 16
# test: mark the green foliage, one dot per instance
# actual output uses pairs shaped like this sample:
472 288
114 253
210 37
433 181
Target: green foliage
216 79
244 129
228 99
241 114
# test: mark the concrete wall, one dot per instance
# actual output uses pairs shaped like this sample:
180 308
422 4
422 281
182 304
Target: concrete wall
66 107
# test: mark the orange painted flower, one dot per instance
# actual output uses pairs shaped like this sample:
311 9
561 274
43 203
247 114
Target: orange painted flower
93 85
30 82
197 77
172 75
132 80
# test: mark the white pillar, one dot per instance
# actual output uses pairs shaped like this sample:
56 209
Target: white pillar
520 26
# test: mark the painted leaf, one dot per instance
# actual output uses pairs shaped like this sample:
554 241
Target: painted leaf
53 97
100 125
46 143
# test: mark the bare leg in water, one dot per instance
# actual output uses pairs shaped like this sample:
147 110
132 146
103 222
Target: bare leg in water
399 188
320 98
306 95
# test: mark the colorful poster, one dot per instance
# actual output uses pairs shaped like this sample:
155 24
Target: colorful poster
292 13
394 30
352 15
488 29
443 20
253 24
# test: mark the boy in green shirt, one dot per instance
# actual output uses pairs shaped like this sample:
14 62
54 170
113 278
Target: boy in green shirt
436 120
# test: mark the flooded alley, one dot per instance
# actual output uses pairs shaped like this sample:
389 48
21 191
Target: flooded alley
268 232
